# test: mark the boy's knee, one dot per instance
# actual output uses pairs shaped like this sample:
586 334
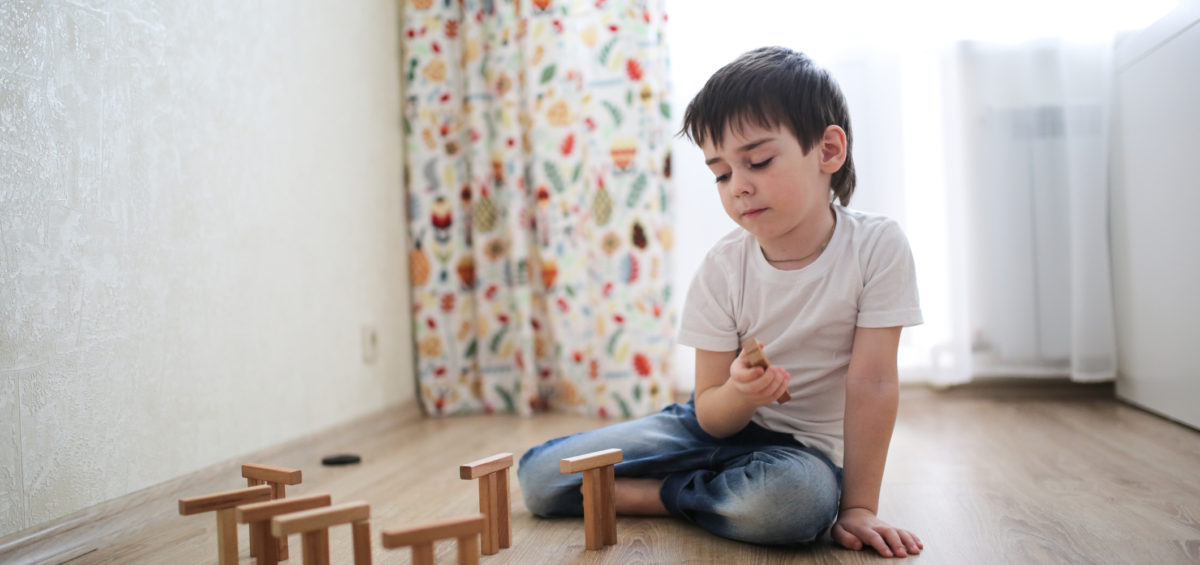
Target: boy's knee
536 500
785 520
789 506
542 484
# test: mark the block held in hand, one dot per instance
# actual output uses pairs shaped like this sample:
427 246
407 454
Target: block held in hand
756 358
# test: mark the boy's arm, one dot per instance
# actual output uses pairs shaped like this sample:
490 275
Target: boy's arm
728 390
872 395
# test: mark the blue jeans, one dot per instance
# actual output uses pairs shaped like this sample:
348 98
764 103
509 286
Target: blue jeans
755 486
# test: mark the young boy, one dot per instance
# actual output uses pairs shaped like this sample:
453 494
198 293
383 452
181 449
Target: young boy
825 289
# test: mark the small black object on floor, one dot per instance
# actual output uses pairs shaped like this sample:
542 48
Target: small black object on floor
335 460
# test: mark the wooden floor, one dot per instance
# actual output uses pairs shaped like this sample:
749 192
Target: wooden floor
989 474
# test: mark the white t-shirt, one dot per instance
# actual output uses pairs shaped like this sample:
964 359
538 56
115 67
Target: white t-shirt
805 318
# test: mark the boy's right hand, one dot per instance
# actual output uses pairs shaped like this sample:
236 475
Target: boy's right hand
755 385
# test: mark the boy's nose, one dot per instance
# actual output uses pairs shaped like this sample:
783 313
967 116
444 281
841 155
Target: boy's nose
744 187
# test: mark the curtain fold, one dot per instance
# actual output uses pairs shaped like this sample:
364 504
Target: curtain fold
537 164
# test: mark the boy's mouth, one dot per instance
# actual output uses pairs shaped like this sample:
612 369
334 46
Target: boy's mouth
753 212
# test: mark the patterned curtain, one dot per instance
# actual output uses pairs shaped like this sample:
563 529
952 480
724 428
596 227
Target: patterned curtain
537 139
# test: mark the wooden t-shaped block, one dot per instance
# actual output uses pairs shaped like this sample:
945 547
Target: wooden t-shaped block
314 526
466 530
756 358
492 473
224 504
599 496
259 515
276 477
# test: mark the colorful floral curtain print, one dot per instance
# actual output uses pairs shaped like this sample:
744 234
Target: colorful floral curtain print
537 139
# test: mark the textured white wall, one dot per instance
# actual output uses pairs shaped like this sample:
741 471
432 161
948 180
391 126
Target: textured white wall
200 205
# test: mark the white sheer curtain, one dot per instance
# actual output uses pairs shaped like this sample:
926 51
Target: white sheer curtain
1026 135
989 144
1032 132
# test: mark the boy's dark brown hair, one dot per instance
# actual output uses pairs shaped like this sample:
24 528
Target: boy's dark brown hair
770 86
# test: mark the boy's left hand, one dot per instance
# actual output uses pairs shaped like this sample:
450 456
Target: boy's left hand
858 527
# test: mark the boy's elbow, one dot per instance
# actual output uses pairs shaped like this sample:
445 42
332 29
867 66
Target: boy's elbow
713 430
709 417
712 425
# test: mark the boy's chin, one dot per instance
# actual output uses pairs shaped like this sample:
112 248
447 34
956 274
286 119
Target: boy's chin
758 229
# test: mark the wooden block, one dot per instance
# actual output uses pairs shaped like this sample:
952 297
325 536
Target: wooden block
434 531
260 511
223 500
260 537
316 547
422 554
227 546
599 497
277 477
489 505
256 535
314 526
319 518
485 466
754 354
492 473
466 530
278 493
362 542
259 515
267 473
468 550
592 511
608 528
224 504
755 357
504 514
590 461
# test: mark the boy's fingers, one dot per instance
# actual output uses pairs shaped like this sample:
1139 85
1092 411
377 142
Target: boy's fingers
749 375
782 387
916 540
846 539
910 541
763 383
876 541
771 384
892 537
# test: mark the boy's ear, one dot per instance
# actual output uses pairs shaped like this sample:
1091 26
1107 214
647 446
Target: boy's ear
833 149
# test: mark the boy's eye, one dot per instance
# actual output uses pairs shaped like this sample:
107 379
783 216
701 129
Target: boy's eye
722 178
761 164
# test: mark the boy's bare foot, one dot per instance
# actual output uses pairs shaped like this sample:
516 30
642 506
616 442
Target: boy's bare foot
639 497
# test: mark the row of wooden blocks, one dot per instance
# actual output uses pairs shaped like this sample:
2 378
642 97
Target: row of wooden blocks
272 517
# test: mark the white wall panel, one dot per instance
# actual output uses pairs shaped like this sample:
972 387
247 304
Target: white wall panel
1155 231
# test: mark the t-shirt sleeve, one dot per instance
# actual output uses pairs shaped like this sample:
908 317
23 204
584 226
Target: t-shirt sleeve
889 297
708 321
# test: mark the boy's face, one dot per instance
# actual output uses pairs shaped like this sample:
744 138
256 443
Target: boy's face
770 187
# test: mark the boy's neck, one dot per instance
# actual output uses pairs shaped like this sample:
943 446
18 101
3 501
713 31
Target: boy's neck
803 245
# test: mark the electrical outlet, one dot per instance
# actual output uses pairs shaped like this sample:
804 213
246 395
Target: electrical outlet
370 344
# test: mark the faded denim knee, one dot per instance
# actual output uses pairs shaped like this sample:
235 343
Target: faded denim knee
546 491
783 500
